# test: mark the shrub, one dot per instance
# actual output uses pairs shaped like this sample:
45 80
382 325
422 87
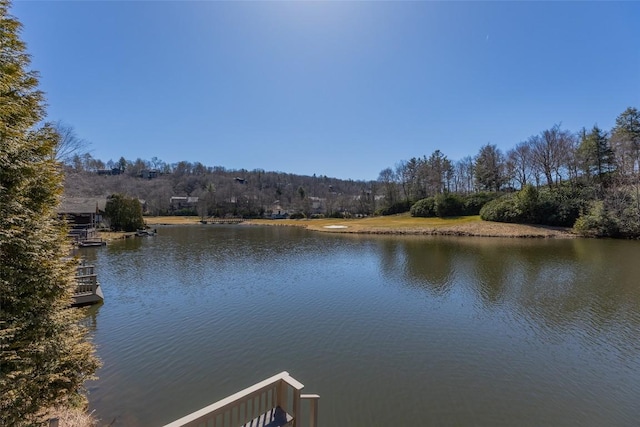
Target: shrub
451 204
297 215
597 222
396 208
475 201
527 205
424 208
448 204
559 207
502 209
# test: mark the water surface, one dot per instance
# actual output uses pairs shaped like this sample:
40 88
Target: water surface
388 330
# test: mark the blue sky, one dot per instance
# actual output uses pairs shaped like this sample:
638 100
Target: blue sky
343 89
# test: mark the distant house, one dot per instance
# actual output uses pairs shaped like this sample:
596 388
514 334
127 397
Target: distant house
277 212
149 173
317 204
240 180
83 215
113 171
183 202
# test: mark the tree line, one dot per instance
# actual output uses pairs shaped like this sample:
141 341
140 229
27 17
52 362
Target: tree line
589 178
549 158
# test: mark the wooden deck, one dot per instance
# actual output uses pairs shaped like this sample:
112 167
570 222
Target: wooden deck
274 402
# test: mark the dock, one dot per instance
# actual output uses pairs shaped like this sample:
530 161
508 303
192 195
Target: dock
88 289
91 243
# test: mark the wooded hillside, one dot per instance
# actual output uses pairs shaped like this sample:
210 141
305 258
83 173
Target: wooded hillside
220 192
590 174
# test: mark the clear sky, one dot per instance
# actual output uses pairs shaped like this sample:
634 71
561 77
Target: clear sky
343 89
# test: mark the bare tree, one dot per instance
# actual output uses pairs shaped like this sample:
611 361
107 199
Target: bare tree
387 179
550 152
463 175
519 161
69 143
403 178
438 171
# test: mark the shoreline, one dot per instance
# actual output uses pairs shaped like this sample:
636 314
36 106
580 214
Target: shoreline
402 224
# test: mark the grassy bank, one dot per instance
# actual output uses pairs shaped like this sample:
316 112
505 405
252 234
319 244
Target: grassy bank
406 224
171 220
396 224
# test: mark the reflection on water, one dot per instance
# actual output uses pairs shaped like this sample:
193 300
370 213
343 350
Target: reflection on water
388 330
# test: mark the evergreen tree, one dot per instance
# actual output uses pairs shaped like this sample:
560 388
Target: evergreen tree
44 357
439 171
124 213
489 168
626 139
595 154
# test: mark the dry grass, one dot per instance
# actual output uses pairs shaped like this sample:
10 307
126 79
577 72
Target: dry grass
171 220
406 224
393 222
72 417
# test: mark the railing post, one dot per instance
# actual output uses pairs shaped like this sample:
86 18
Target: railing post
313 408
296 408
282 395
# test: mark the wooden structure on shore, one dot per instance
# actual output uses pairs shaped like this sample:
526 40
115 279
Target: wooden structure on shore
83 215
274 402
88 243
146 232
88 289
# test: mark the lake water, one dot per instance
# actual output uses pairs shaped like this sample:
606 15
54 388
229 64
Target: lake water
390 331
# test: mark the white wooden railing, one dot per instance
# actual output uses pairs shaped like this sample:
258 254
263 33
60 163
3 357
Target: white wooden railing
86 284
85 269
87 287
255 406
86 279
